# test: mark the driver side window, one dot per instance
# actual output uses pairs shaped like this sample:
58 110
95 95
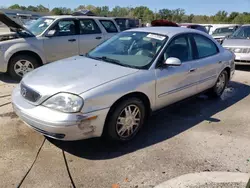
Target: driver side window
179 47
64 28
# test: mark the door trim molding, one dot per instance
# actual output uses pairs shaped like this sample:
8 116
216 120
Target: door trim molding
186 86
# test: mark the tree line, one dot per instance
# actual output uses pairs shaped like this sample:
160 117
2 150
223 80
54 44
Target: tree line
146 15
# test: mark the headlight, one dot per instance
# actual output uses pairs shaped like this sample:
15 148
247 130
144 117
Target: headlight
64 102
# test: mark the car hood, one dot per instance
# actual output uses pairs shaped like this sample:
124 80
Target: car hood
12 24
236 43
75 75
220 35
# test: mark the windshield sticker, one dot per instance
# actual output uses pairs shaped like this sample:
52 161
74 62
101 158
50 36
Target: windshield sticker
157 37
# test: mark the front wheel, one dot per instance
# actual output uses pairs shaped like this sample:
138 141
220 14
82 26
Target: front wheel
220 85
19 65
126 119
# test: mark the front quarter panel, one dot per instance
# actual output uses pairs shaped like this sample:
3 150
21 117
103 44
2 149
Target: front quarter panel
32 44
106 95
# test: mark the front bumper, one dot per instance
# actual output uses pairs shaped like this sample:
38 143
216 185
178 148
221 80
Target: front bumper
242 59
59 125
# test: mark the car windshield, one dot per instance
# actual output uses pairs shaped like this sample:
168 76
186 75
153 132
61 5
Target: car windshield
38 26
130 49
242 33
224 30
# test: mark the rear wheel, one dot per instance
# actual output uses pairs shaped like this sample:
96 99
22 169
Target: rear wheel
20 65
126 119
220 85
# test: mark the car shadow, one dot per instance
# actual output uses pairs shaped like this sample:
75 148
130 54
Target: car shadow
4 77
161 126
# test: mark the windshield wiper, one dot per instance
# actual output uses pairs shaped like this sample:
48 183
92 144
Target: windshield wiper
110 60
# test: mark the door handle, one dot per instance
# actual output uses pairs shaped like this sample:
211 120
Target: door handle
192 70
98 38
72 40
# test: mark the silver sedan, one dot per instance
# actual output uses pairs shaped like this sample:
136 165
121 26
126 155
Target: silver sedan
111 90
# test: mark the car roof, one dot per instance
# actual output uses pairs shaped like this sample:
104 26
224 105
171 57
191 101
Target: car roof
70 16
169 31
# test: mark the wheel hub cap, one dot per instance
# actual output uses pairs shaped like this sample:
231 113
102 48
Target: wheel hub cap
220 83
128 121
22 67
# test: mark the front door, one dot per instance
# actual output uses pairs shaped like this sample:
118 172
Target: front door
64 43
175 83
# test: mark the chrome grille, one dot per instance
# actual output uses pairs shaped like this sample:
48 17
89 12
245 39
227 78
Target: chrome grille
239 50
29 94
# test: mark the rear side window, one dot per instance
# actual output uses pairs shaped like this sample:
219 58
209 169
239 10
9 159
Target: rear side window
205 46
88 26
109 26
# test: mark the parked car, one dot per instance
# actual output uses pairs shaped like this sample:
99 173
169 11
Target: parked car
22 16
239 44
194 26
112 89
167 23
50 38
211 27
221 33
126 23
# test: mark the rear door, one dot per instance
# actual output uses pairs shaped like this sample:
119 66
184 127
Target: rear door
64 43
208 61
90 35
110 28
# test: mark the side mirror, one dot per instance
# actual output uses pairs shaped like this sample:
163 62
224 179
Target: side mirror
172 61
51 33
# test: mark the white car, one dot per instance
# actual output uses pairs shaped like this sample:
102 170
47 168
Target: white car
50 38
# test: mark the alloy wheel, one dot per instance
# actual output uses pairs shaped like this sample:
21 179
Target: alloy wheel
22 67
128 121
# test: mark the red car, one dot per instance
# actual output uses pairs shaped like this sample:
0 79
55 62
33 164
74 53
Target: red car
163 23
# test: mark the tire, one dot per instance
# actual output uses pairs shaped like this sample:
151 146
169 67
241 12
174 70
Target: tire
217 90
20 65
117 113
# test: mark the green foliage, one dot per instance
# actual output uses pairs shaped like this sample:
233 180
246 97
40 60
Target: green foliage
147 15
61 11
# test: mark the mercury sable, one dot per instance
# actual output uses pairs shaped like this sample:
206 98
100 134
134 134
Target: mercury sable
112 89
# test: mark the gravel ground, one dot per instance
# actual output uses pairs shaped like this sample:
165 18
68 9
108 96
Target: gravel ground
198 135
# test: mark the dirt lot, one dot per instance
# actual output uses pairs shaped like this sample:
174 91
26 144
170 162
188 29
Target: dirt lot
197 135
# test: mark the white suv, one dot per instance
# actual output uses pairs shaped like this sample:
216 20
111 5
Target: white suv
50 38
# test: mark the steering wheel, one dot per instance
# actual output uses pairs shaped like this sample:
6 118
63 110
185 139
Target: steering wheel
145 52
